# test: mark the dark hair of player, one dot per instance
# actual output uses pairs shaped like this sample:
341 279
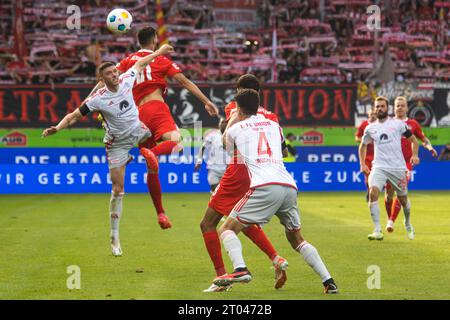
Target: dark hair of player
248 81
248 101
105 65
146 36
290 134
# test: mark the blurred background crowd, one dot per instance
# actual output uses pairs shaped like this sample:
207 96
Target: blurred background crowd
282 41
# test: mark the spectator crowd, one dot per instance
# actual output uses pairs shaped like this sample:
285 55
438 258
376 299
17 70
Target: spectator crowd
316 40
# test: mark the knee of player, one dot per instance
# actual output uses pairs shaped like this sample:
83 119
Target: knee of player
373 193
403 200
174 136
205 226
117 189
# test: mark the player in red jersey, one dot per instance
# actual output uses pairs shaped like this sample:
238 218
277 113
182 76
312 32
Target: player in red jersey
393 207
371 117
148 91
232 187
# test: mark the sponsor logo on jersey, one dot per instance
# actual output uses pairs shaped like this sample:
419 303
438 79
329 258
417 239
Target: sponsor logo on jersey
124 104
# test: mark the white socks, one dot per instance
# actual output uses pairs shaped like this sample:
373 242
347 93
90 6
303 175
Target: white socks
375 213
115 212
233 246
407 212
313 259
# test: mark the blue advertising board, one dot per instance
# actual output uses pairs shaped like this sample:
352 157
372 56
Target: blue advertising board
93 178
98 155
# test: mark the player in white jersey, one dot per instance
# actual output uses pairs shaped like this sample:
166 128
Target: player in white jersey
123 129
388 164
214 154
272 191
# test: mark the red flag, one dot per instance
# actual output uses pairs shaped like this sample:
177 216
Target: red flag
19 40
162 30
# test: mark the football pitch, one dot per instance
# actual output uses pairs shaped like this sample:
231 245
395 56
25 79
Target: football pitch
42 235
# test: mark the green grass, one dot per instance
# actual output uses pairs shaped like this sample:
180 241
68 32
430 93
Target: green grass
41 235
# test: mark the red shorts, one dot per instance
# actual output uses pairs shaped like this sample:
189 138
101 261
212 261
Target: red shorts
156 116
232 187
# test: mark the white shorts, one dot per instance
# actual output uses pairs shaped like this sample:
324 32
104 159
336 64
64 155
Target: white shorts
398 179
214 177
260 204
117 151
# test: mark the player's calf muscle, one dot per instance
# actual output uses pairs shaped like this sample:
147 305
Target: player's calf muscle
210 220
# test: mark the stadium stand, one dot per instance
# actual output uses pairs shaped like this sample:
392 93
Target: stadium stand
317 41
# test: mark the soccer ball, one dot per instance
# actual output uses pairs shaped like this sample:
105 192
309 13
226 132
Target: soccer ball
119 21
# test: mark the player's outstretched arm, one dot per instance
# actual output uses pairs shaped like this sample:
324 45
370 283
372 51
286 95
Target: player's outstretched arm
142 63
199 158
212 110
427 145
69 120
362 151
415 149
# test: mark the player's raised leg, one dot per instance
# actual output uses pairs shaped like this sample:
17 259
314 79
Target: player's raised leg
115 207
156 115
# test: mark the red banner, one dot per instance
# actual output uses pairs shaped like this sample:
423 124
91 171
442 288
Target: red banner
296 105
19 39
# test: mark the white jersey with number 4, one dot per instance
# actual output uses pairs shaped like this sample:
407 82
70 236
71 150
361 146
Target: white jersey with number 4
387 140
258 141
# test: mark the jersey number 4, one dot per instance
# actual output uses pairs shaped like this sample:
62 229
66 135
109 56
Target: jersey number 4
144 75
263 145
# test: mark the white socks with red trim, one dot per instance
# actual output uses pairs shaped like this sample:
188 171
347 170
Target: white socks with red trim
313 259
233 246
407 212
375 214
115 212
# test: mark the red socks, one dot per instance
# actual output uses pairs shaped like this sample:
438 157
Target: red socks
257 235
154 188
396 207
388 205
164 147
212 243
